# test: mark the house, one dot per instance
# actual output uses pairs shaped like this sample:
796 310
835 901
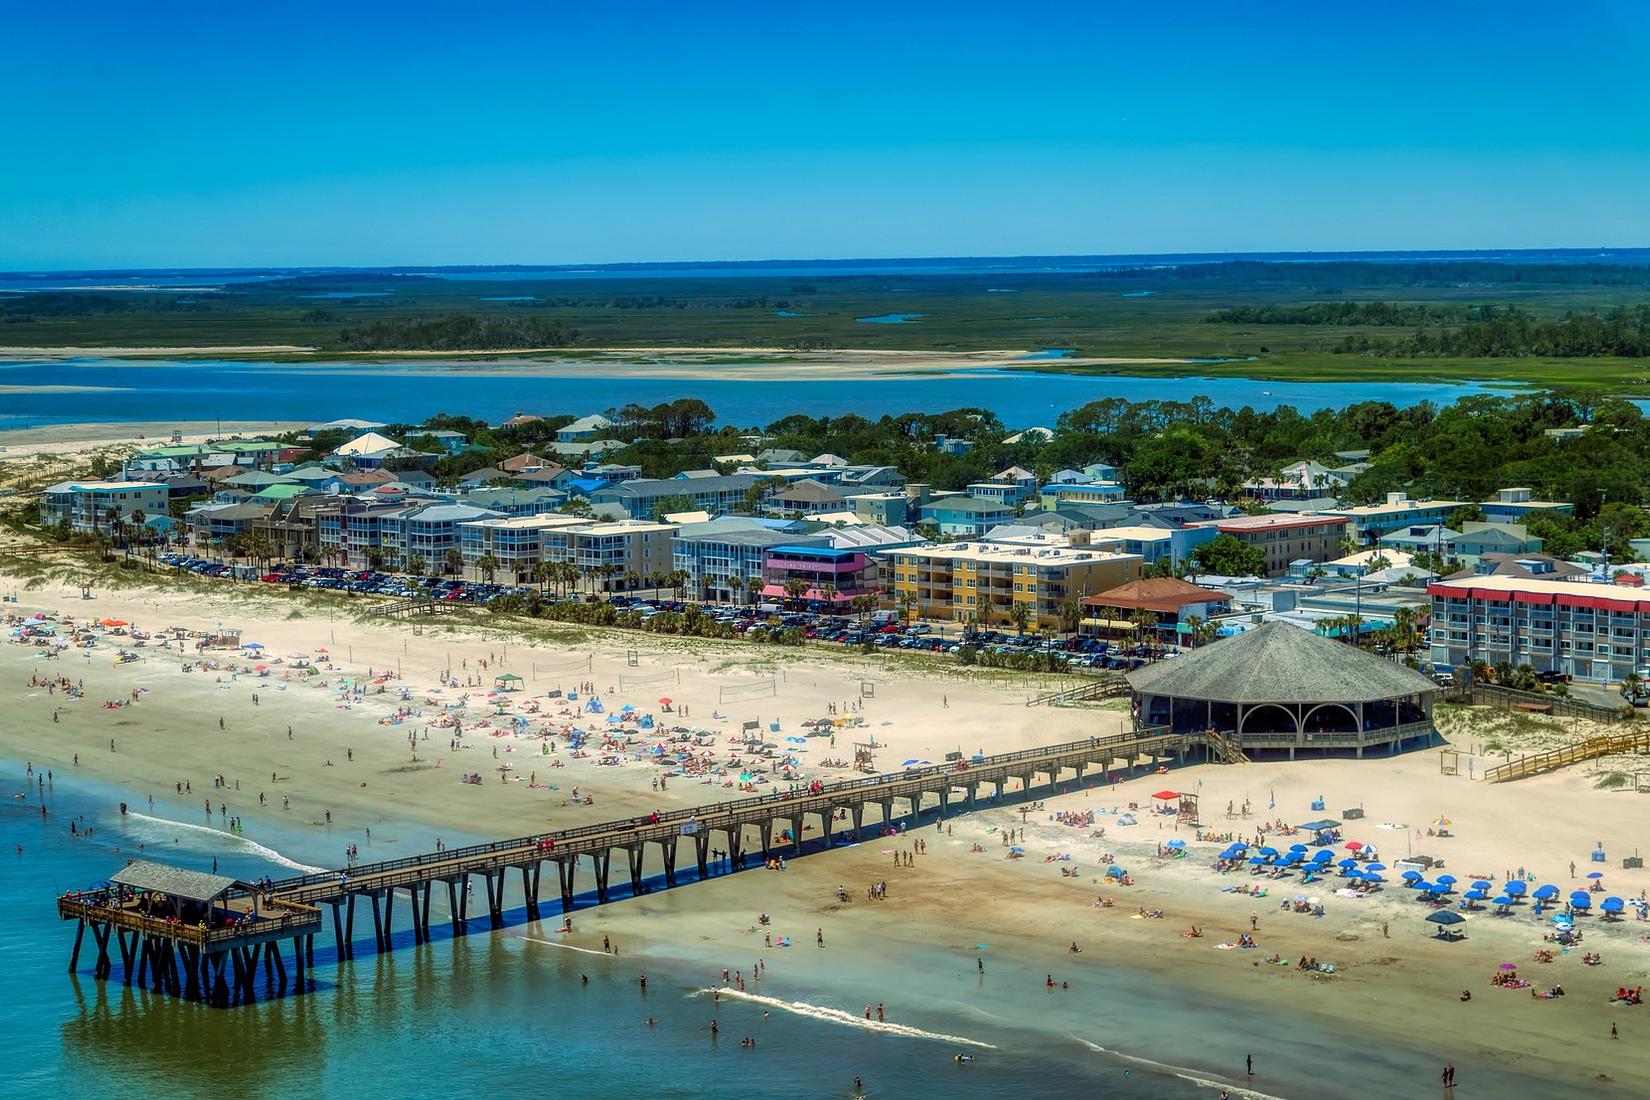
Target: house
1298 481
512 501
887 508
1169 600
487 475
87 506
526 460
1003 492
343 426
213 524
779 456
585 429
368 451
805 497
1091 492
1521 565
546 477
611 471
521 420
1516 504
1030 435
350 529
1151 542
946 445
963 515
984 582
450 442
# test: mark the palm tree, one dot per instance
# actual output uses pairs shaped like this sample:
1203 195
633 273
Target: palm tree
829 592
795 589
1071 615
415 565
1020 613
1143 622
907 606
631 580
488 565
453 560
753 585
609 571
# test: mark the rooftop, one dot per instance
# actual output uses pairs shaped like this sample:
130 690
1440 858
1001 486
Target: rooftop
1279 663
173 881
1156 594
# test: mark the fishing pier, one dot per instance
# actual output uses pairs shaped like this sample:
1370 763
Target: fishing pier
204 936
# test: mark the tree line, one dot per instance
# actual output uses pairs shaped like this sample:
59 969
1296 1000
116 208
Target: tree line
457 332
1342 313
1512 333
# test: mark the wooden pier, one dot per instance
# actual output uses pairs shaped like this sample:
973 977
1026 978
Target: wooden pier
217 926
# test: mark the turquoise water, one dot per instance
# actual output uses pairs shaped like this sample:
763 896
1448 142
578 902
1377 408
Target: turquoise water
891 318
1047 353
253 391
788 313
507 1011
1138 293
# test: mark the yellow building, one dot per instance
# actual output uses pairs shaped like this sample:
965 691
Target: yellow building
983 581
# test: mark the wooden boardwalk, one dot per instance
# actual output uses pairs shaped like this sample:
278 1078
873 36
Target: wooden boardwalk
838 810
1086 690
1610 744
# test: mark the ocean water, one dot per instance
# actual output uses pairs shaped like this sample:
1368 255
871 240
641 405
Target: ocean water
503 1011
508 1011
254 391
891 318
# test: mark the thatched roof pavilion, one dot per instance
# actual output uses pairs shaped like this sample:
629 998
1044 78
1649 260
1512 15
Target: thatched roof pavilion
1281 687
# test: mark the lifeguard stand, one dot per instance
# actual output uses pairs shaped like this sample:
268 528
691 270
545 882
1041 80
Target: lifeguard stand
1186 809
865 756
1449 762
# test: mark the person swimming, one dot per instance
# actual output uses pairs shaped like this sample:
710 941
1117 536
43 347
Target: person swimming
963 1059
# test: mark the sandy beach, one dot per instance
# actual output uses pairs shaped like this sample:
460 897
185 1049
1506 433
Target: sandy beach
69 439
378 759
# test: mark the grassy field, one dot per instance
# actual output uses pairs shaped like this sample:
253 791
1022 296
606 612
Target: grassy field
1021 312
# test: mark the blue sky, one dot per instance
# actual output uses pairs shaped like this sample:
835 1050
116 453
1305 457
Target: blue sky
191 134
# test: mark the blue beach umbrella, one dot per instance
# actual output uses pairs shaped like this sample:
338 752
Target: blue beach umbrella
1374 866
1447 878
1595 874
1346 863
1580 900
1297 847
1256 861
1411 876
1516 887
1371 876
1612 905
1268 851
1476 895
1545 892
1420 884
1322 857
1483 884
1175 843
1502 900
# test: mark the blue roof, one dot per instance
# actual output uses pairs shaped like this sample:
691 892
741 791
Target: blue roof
586 484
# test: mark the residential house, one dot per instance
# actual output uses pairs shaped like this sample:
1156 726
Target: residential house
807 497
963 515
1298 481
946 445
585 429
215 524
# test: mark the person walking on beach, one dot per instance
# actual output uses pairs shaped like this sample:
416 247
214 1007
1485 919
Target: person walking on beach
1448 1076
1249 1064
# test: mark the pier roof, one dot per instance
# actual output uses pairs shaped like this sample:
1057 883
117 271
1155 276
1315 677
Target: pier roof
173 881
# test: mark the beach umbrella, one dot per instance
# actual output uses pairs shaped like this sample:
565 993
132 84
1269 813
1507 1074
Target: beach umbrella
1516 887
1612 905
1481 884
1410 876
1502 900
1297 848
1595 874
908 763
1508 966
1257 860
1323 857
1017 850
1374 866
1176 843
1545 892
665 702
1268 851
1420 884
1354 845
1371 876
1446 878
1441 823
252 645
1476 895
1346 863
1166 795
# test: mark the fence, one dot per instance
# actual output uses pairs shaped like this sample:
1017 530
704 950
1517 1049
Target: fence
1497 695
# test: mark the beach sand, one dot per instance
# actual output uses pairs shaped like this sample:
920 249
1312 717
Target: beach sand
1394 994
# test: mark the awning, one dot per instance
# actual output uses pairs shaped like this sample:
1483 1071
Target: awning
1106 624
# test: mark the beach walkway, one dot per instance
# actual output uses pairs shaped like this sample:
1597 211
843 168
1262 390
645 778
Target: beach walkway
185 952
1609 744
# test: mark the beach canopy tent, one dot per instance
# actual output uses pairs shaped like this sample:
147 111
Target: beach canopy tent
1321 826
506 681
1446 920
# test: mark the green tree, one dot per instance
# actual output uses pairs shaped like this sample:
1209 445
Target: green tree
1228 556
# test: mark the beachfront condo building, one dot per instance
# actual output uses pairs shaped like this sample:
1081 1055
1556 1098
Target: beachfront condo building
87 506
722 556
984 581
1592 630
613 557
826 574
515 544
963 516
